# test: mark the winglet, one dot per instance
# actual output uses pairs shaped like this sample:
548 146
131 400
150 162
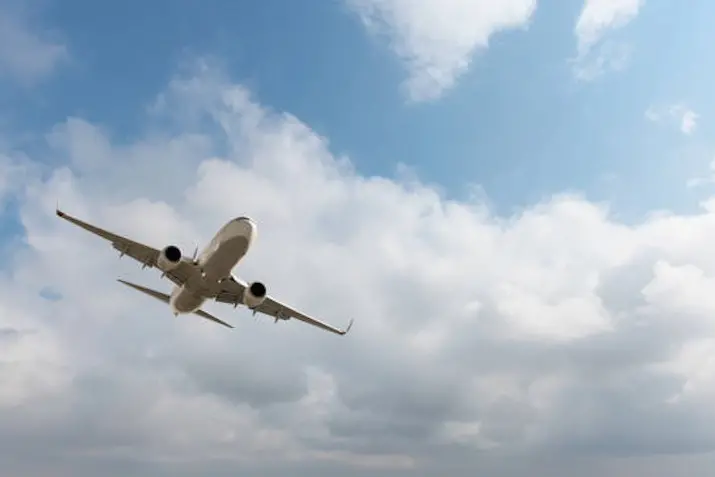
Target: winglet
347 330
58 211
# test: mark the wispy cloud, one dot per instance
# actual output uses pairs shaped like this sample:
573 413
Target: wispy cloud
679 115
28 53
437 38
595 55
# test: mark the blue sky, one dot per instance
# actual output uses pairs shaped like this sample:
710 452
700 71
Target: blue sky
517 123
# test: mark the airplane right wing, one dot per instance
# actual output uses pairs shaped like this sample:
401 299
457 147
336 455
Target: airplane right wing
232 293
278 310
143 254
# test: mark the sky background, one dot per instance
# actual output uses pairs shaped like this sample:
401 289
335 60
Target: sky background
513 199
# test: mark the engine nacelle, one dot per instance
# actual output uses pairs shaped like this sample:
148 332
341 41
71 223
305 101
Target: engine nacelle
169 258
254 294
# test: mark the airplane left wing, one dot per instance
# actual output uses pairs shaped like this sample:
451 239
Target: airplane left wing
143 254
232 293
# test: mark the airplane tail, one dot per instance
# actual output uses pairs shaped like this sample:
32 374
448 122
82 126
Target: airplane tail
166 298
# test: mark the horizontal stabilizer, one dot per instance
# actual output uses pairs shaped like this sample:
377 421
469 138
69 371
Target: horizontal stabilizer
156 294
210 317
166 298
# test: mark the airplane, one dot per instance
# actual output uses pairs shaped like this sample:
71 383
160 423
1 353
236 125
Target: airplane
205 276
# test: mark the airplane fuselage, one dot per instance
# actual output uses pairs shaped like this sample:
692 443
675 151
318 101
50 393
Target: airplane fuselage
214 264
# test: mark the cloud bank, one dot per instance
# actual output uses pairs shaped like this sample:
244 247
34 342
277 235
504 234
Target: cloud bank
552 340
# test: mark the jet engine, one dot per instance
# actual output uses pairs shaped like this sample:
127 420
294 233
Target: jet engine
254 294
169 258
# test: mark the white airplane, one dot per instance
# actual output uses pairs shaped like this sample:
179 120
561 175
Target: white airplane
207 276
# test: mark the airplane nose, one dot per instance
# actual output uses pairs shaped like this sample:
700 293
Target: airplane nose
248 226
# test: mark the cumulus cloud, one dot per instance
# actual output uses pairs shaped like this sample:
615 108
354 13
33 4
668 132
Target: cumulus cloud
594 54
436 39
680 115
27 52
557 335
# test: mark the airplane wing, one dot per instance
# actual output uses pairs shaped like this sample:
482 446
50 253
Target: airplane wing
143 254
232 293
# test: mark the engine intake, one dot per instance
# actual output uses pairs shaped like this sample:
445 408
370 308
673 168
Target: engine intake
254 294
169 258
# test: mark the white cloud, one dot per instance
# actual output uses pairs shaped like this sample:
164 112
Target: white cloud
594 55
554 328
599 16
688 121
680 115
13 171
436 39
27 53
